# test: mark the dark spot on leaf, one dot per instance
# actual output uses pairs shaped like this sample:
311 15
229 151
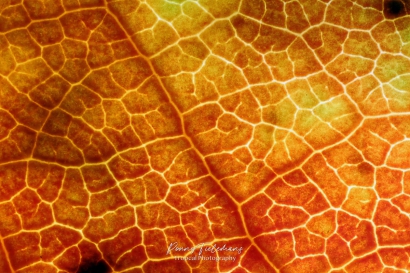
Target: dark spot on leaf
394 8
94 267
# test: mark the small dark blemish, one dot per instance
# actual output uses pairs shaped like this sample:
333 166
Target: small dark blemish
394 8
94 267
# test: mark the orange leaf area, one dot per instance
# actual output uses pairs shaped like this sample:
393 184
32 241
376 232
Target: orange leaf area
168 136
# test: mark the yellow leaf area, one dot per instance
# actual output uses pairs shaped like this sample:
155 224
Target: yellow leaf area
173 136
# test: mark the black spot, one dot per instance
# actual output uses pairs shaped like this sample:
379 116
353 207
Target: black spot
94 267
394 9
